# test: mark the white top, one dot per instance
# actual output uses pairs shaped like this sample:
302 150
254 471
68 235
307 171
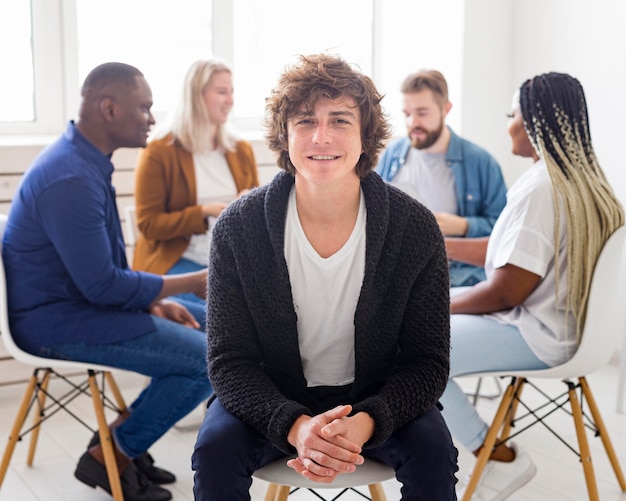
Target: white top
325 294
427 178
524 236
214 183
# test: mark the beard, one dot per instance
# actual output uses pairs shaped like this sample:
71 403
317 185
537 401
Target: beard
430 139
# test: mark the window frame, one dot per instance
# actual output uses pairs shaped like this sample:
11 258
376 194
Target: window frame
55 63
49 71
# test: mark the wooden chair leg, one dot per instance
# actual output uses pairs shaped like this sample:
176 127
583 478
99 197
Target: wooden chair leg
585 453
510 418
377 492
117 394
490 440
282 493
22 413
105 440
270 494
34 437
604 434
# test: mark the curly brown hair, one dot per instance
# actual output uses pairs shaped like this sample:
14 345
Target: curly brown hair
325 76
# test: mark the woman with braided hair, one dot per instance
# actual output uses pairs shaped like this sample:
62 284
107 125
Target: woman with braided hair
539 260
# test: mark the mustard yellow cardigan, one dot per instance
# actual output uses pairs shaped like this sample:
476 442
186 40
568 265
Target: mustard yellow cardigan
166 202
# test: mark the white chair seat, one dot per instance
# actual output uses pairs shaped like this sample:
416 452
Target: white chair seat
370 472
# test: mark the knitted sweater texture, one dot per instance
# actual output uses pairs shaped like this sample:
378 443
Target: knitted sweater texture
402 319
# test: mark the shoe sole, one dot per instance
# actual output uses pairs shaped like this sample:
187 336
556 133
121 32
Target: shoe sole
90 481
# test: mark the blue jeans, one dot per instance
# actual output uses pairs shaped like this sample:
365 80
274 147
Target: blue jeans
228 452
480 344
174 356
185 266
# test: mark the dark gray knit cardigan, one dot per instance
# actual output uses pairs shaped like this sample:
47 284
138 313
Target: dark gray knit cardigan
402 320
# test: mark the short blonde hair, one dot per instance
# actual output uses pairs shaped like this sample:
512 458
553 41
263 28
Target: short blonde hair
427 79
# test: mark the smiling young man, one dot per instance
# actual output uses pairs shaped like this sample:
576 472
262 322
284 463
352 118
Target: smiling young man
328 319
456 179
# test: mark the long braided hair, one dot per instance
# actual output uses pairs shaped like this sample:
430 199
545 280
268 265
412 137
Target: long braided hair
555 116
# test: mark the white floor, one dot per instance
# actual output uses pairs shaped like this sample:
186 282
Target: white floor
63 440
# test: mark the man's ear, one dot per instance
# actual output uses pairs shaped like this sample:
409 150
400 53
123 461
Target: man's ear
107 108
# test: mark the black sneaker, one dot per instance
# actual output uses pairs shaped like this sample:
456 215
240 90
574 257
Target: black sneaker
145 464
135 486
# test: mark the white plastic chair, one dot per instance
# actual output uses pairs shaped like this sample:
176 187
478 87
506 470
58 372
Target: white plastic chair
283 479
38 391
130 220
602 333
621 383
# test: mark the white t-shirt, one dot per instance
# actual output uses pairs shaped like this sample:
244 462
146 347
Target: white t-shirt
214 183
524 236
427 178
325 295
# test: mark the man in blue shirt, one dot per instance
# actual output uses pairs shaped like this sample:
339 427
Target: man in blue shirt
72 295
456 179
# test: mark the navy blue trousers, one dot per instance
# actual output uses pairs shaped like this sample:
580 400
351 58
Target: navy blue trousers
228 451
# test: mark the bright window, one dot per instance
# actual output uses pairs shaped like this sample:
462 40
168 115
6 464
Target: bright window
415 35
17 96
159 37
269 35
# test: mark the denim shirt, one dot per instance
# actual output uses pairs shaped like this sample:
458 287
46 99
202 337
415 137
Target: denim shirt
480 191
64 254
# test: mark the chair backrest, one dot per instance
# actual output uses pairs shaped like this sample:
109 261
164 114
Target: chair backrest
606 316
606 309
130 219
7 338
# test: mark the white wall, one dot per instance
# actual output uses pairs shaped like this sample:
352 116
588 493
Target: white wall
487 79
508 41
586 39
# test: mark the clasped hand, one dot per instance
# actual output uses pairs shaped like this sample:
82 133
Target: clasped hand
174 311
330 443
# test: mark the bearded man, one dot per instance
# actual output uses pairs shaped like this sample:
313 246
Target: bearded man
456 179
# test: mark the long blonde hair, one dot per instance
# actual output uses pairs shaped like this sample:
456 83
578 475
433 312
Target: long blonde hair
554 110
190 124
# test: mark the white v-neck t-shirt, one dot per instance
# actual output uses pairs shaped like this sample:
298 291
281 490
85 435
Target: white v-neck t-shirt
325 294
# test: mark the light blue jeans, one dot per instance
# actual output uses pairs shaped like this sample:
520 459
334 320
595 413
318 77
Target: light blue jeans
174 357
185 266
479 344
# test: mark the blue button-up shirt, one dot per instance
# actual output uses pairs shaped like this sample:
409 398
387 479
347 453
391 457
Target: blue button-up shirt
480 191
64 254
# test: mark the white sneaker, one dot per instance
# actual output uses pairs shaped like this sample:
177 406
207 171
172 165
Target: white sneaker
499 479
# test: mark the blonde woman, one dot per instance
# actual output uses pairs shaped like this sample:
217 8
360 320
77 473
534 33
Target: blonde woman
539 260
189 172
